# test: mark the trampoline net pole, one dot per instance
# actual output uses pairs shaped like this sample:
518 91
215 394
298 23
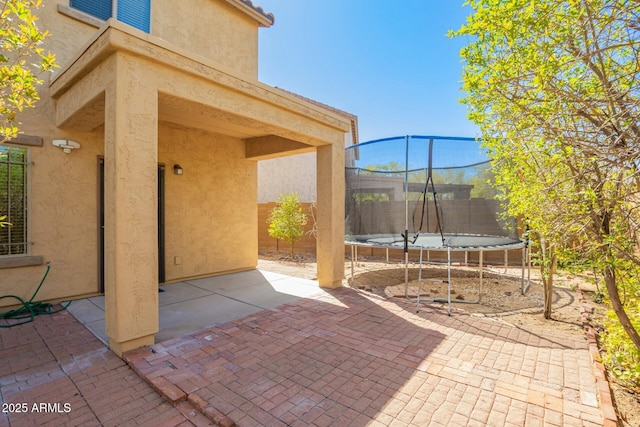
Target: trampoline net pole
406 218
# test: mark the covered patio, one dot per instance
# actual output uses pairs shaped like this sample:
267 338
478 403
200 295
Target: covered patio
157 104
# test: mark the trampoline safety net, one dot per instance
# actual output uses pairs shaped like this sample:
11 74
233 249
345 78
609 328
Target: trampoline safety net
436 188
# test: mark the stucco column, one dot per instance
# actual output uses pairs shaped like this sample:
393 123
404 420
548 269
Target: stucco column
330 219
131 216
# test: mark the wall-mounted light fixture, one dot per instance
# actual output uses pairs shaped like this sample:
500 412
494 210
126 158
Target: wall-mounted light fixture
177 169
66 144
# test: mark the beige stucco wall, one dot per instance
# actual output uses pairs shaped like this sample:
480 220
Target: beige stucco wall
67 35
62 220
63 188
210 209
210 28
291 174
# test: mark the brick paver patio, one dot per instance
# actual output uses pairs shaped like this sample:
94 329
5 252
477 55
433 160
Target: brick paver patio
351 358
55 361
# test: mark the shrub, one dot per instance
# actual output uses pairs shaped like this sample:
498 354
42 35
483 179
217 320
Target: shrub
287 221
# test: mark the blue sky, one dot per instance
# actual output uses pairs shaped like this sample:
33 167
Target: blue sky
388 62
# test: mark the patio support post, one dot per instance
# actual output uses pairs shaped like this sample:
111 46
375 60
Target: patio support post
330 238
131 248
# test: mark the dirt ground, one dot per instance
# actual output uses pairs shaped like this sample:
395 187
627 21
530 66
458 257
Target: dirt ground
499 296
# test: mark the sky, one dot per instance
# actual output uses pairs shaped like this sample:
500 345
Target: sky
388 62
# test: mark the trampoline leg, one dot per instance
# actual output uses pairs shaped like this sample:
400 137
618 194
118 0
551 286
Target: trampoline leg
481 273
506 261
522 271
529 266
419 282
449 280
420 267
353 276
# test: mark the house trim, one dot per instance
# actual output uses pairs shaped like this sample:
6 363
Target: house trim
20 261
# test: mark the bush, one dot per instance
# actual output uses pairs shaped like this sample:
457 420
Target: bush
621 356
287 221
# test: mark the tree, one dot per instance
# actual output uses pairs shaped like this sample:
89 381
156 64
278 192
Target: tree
22 61
555 88
287 221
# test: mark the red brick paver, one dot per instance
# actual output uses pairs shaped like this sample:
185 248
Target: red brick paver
54 372
352 359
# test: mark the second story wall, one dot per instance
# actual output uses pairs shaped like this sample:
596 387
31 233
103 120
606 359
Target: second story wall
211 28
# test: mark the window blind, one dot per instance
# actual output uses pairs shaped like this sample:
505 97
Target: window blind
135 13
98 8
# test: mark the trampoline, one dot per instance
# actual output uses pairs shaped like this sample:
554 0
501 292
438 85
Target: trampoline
426 193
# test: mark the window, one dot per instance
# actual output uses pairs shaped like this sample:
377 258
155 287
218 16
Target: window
133 12
13 200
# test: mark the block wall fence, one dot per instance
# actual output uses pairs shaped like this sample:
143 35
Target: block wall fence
307 245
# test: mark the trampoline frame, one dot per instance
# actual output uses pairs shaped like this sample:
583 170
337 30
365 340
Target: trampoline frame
525 266
445 246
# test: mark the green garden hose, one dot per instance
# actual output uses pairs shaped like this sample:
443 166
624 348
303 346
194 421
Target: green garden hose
29 309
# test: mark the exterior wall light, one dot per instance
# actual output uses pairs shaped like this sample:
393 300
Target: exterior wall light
177 169
66 144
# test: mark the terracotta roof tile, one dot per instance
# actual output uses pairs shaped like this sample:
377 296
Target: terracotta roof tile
268 16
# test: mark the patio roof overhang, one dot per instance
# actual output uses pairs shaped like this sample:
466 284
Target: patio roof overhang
192 91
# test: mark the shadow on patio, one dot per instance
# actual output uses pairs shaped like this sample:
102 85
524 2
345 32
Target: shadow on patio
338 358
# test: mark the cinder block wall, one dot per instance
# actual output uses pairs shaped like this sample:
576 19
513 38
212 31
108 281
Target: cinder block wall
307 245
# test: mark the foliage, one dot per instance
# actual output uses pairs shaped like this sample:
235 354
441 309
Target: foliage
621 356
555 88
21 43
287 221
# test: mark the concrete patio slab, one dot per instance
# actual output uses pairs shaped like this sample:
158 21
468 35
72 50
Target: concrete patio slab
180 292
189 306
181 318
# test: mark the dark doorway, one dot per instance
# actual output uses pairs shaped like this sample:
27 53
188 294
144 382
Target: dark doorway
161 265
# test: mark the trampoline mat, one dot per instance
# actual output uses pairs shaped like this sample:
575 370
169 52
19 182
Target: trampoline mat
434 241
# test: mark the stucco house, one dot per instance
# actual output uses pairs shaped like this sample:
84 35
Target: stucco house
140 162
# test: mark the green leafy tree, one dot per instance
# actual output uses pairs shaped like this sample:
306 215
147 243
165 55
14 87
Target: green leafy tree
22 61
287 220
555 88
